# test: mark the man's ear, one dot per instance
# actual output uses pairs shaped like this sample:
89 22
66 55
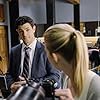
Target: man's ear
34 28
54 55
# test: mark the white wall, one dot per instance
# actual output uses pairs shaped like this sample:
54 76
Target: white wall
63 11
88 11
35 9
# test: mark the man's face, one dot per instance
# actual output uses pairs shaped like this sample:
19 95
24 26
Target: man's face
26 33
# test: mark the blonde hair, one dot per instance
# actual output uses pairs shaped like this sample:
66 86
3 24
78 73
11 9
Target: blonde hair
65 40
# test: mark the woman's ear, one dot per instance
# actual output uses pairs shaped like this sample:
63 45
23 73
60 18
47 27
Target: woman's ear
54 55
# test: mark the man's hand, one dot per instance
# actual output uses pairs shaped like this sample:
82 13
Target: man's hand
16 85
64 94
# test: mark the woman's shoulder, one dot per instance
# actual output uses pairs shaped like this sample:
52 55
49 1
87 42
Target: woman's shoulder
95 82
94 88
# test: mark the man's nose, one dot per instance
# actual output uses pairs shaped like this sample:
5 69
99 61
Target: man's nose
24 33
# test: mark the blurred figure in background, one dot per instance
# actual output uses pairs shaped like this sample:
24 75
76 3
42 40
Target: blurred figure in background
67 50
98 43
94 54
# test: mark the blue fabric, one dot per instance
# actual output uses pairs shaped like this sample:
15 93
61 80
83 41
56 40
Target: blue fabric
41 68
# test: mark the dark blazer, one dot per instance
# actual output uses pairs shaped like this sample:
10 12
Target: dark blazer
41 68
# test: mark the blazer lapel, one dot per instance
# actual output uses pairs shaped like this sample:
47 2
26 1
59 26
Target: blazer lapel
36 59
18 59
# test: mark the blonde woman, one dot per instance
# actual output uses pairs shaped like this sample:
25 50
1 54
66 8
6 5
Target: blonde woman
67 50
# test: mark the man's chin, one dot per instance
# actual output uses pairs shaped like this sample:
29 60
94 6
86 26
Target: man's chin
27 43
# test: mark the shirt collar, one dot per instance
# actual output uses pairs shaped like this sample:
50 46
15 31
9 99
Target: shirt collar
32 45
